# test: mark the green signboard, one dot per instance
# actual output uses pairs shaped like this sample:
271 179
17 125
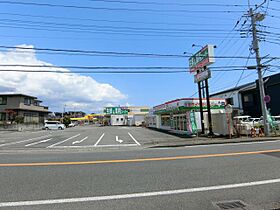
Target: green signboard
202 58
115 111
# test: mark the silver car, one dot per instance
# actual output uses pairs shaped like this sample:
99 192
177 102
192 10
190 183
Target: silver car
54 125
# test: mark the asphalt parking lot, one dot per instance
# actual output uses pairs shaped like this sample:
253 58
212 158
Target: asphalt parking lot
89 167
82 137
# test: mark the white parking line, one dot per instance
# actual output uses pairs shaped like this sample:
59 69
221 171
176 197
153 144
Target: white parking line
38 142
92 146
118 145
134 139
99 139
137 195
18 142
53 145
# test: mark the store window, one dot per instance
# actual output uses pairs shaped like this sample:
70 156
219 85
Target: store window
3 100
165 120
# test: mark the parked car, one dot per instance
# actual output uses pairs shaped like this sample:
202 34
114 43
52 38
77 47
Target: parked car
54 125
253 121
241 119
72 124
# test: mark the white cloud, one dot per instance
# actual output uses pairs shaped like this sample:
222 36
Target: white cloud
75 90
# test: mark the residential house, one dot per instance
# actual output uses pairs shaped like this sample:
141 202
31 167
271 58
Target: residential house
13 105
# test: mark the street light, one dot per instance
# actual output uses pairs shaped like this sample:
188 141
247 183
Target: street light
64 106
197 45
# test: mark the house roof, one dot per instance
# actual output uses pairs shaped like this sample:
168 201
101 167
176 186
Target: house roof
240 88
17 94
247 86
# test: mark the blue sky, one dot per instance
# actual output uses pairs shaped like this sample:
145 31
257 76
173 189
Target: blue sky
138 89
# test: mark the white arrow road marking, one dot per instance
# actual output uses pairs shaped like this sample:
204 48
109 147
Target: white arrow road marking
119 140
78 142
138 195
38 142
72 137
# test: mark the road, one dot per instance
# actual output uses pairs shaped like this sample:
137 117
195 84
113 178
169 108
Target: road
109 168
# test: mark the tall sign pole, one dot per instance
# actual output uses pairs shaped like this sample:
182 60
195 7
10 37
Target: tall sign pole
254 18
198 64
201 109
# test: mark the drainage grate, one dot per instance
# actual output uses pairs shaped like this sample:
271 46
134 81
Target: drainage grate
231 204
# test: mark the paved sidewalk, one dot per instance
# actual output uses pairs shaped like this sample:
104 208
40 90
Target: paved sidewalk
205 141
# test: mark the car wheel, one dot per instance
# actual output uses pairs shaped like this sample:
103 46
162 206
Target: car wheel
47 128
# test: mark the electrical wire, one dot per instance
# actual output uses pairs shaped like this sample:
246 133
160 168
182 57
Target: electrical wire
113 53
163 3
115 9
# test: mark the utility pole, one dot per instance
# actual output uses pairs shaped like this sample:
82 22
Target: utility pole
254 18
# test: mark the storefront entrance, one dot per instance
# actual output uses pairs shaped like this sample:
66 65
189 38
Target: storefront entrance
180 122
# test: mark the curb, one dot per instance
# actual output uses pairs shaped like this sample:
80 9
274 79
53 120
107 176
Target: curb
185 144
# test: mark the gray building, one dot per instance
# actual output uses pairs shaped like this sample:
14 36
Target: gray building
245 99
13 105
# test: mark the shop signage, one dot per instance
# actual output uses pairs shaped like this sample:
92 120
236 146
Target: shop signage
116 110
202 58
201 76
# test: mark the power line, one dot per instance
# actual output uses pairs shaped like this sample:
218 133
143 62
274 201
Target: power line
103 32
122 67
89 26
109 21
105 72
114 9
175 4
113 53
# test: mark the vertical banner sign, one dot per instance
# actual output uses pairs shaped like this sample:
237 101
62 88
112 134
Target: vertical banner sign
193 122
189 124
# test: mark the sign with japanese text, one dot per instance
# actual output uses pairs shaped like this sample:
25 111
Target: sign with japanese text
116 110
202 58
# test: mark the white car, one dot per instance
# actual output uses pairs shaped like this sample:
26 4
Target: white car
72 124
253 121
54 125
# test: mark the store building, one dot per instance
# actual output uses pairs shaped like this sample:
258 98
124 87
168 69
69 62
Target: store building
182 115
131 116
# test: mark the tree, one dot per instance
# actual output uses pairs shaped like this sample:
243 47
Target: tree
19 119
11 114
66 121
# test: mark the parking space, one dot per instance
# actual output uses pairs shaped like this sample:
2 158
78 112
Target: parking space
78 137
